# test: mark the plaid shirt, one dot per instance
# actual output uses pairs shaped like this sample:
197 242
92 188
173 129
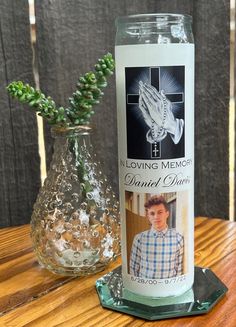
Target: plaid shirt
157 254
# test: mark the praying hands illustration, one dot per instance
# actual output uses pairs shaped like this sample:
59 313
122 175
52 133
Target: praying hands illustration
158 115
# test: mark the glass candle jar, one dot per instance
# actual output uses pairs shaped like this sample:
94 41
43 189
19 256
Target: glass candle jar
155 101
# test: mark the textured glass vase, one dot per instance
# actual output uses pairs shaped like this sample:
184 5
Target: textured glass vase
75 225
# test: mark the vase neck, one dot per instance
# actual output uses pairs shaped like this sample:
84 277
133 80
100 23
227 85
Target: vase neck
74 140
67 132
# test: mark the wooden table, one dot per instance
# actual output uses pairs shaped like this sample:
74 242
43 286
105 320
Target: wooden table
32 296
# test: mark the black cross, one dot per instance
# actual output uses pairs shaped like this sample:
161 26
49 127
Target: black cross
155 81
173 97
155 150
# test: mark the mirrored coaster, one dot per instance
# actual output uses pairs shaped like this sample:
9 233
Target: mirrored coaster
207 290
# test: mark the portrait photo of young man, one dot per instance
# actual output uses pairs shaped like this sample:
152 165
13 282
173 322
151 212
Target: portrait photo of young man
157 253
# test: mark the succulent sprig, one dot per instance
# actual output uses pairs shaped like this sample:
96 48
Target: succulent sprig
88 93
45 106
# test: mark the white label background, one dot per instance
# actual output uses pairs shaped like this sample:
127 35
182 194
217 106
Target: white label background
153 55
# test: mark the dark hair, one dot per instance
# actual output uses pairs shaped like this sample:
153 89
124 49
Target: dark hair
156 200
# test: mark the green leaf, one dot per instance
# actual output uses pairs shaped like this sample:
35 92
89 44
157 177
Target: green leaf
87 94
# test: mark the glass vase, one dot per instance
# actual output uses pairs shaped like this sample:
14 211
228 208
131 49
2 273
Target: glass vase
75 225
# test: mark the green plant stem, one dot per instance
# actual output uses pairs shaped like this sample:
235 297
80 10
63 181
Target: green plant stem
88 93
45 106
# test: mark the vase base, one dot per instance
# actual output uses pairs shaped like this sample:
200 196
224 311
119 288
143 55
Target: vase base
73 272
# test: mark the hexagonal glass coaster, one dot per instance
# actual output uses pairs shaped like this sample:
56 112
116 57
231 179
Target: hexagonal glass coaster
207 290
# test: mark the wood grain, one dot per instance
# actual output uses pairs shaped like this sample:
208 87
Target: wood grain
32 296
19 158
211 24
21 277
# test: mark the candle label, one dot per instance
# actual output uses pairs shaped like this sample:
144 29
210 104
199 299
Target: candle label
155 112
156 162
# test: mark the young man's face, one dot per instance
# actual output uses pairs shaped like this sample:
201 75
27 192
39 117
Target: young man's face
158 215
